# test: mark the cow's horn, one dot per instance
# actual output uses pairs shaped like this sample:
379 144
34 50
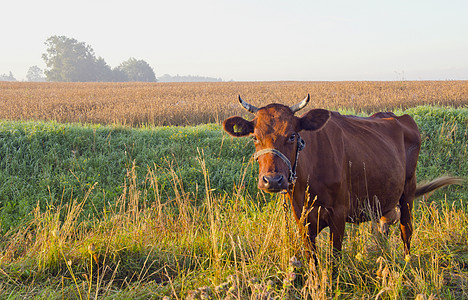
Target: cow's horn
300 105
250 108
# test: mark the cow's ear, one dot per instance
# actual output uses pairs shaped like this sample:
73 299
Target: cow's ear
314 119
237 126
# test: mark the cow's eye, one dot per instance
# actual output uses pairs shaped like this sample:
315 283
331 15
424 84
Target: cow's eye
254 139
292 137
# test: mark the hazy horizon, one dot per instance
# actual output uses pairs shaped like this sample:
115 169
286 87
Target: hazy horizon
251 40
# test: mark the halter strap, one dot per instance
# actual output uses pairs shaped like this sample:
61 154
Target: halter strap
292 169
274 151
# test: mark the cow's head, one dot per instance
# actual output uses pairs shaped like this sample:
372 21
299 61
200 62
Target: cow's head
275 131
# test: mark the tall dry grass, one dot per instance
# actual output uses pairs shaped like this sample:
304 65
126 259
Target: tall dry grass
197 103
230 247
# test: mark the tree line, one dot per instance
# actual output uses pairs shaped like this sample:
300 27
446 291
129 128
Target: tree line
187 78
68 60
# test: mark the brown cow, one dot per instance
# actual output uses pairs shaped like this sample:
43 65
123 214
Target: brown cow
359 168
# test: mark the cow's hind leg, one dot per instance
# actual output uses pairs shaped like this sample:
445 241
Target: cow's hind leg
406 206
388 219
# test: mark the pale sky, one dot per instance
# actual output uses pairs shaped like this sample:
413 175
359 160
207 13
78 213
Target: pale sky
253 40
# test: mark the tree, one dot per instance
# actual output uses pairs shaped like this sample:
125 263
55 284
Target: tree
137 70
102 70
5 77
119 75
35 74
70 60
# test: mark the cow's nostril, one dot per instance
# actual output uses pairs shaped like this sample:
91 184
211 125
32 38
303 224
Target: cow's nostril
265 180
280 179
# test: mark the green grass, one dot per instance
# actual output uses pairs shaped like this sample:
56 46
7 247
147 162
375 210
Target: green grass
110 212
51 163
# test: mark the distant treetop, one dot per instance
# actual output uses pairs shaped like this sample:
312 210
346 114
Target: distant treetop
9 77
35 74
137 70
187 78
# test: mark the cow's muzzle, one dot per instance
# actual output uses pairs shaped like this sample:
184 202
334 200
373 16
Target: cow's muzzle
272 183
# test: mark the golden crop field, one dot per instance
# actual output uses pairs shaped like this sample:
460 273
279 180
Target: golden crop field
195 103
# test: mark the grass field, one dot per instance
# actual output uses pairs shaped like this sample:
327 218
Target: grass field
93 211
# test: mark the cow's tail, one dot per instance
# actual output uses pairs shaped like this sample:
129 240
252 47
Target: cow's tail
437 183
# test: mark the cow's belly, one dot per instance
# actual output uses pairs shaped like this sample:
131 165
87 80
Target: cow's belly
373 191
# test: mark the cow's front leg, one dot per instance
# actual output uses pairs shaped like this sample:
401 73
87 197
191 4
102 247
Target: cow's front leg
337 228
316 221
306 218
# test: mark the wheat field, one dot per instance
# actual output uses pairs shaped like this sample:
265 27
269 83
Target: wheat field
198 103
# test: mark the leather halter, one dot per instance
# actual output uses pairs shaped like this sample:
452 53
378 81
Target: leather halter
292 168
